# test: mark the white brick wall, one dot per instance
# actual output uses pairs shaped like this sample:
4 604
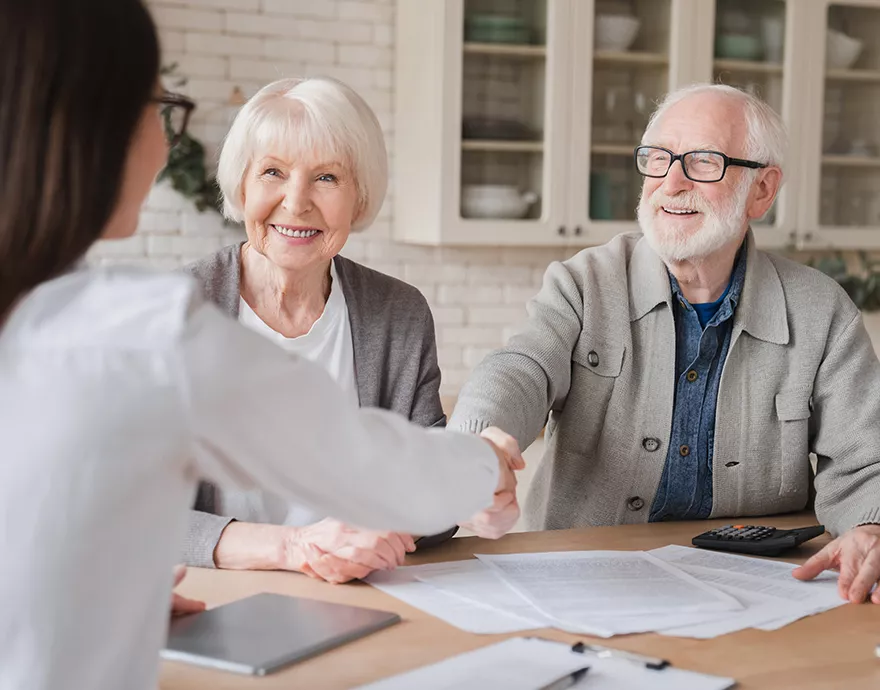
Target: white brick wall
477 295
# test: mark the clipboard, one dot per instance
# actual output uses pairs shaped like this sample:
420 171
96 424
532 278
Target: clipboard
527 663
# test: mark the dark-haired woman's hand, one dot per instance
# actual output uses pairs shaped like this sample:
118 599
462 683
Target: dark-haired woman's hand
181 606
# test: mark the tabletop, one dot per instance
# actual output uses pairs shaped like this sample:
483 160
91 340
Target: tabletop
832 650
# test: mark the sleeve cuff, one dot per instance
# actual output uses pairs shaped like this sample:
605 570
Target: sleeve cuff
472 426
203 533
869 517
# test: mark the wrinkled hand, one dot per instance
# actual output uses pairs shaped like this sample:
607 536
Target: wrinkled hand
181 606
333 551
856 555
499 518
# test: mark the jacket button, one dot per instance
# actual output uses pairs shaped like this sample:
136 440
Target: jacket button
685 451
650 444
692 376
593 359
635 503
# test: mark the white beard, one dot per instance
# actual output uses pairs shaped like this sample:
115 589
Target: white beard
720 227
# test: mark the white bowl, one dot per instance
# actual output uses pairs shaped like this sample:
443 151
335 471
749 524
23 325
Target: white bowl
495 201
615 31
841 51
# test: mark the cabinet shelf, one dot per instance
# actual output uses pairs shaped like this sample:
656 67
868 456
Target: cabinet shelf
626 57
844 161
505 49
870 76
748 66
502 146
624 150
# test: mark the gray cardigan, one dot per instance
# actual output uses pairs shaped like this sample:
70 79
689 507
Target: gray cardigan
598 355
395 363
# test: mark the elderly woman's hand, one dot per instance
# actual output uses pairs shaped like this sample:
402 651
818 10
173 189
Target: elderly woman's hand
333 551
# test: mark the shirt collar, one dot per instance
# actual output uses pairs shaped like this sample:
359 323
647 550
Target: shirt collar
762 312
761 308
648 281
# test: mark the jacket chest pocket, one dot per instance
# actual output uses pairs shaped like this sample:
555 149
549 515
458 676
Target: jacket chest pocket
599 357
793 413
596 366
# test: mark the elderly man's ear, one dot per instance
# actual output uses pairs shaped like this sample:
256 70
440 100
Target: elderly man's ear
764 192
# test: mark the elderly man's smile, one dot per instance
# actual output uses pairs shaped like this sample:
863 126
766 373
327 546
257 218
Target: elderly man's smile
679 211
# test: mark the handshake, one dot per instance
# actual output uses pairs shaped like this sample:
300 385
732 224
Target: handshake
499 518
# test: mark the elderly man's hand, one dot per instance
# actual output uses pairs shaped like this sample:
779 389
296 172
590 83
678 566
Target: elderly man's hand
181 606
499 518
856 554
333 551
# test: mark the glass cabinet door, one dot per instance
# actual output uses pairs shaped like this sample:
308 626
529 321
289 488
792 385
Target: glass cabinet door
849 196
503 172
749 53
630 73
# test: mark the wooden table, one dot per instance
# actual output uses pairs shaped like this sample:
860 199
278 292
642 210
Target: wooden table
833 650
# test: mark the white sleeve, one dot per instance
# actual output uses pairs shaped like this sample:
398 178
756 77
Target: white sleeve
262 417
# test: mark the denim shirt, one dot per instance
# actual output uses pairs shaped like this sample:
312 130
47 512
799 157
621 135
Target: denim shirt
685 491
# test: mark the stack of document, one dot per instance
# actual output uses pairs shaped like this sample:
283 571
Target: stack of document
674 590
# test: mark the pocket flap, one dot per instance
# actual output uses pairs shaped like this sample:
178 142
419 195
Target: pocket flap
792 406
598 356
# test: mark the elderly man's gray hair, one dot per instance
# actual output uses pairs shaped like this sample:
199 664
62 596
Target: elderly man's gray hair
317 117
766 134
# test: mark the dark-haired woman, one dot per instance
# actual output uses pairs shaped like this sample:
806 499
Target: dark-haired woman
119 389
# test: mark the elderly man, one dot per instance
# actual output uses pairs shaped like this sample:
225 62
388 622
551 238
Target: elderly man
687 374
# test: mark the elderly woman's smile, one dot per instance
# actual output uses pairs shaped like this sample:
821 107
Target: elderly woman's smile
296 232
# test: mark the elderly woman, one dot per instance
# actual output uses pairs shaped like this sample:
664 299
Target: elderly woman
303 166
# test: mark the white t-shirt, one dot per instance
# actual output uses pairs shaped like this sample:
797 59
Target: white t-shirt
118 389
327 343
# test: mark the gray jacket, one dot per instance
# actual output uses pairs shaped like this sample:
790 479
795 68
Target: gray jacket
598 355
395 362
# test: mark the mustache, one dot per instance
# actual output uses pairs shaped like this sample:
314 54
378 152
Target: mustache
688 199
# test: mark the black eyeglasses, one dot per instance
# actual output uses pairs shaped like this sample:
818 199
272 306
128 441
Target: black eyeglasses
176 110
699 166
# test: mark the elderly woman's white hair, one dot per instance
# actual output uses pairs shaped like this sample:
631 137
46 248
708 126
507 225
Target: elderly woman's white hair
766 135
318 117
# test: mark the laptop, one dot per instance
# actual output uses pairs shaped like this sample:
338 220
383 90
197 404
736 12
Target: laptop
267 632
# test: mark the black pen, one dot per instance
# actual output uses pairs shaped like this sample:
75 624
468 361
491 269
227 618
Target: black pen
608 653
568 680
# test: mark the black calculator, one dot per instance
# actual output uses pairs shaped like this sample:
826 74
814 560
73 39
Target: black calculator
755 539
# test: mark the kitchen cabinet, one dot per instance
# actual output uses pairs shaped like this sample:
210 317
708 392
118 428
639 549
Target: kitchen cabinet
516 119
841 185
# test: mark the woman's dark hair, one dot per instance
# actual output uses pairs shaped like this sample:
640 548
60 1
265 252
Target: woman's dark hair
75 77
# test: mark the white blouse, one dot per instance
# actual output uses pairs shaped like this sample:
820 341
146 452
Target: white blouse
328 343
120 388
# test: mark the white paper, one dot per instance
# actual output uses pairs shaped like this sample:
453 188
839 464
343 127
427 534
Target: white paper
772 578
590 589
402 584
773 598
734 563
526 664
479 584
